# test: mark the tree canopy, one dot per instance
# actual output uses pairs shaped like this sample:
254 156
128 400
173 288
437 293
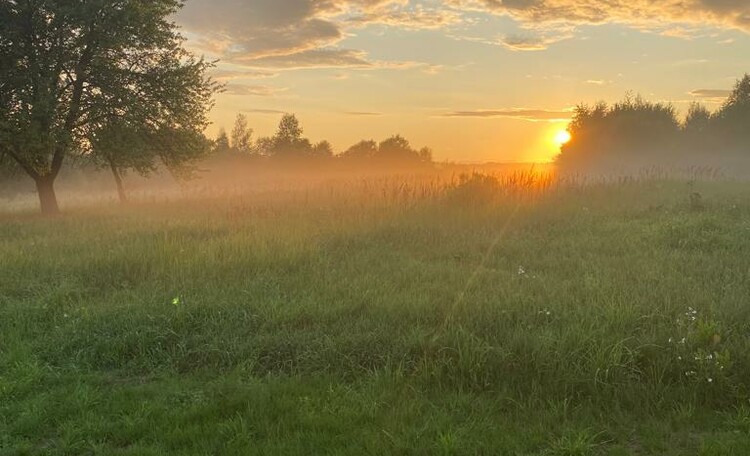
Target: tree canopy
78 76
636 131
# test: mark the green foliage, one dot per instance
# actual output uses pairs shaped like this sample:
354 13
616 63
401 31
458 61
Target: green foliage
74 72
323 149
242 142
362 151
393 151
288 142
630 130
639 133
397 149
734 116
221 144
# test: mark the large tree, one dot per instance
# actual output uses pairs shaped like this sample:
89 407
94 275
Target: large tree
75 71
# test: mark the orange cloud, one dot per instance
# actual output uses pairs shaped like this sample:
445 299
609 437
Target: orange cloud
648 13
533 115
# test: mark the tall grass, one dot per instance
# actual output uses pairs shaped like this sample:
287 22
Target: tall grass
463 314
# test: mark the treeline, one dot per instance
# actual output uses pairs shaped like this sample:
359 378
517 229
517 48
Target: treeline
637 132
289 147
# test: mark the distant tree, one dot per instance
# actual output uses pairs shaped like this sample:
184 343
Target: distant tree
699 133
242 136
322 150
221 144
363 150
288 142
393 151
265 146
698 120
425 155
397 150
68 68
733 119
290 131
633 130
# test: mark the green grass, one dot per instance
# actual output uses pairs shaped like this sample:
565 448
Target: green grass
459 323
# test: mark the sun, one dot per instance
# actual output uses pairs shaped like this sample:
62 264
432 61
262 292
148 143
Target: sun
563 137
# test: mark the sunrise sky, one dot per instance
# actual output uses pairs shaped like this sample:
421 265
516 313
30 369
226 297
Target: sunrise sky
476 80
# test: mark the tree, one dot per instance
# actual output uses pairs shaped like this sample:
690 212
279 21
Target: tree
632 131
265 146
288 142
75 72
323 149
221 143
733 118
397 150
123 147
363 150
698 120
425 154
242 136
290 131
698 130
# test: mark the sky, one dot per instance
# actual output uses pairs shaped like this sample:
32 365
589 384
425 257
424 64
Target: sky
475 80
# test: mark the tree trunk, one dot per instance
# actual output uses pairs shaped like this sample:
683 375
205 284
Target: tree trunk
118 180
45 187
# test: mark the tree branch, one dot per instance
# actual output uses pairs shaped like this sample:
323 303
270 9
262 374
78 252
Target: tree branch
25 166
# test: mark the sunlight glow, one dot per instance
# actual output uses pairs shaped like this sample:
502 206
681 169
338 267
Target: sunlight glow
563 137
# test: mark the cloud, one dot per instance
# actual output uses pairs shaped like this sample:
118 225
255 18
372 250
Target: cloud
314 58
297 33
234 75
647 14
531 43
418 18
533 115
293 33
363 114
254 90
264 111
711 95
257 28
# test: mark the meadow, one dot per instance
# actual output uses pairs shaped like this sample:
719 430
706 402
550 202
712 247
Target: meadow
503 315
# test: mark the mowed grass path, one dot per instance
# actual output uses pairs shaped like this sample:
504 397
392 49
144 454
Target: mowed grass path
610 320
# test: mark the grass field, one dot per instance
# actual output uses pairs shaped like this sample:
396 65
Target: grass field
482 317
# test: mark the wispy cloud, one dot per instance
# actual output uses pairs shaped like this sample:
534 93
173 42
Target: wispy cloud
315 58
254 90
712 95
236 75
532 42
533 115
363 114
264 111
